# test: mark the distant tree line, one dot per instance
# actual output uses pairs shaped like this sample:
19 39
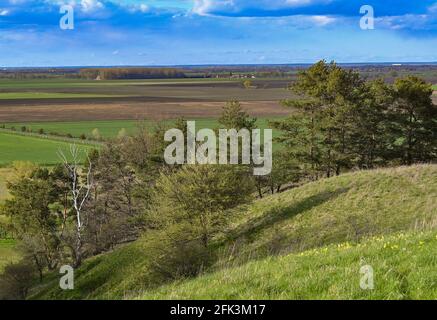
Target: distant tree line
131 73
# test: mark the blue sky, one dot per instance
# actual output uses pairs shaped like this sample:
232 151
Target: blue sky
180 32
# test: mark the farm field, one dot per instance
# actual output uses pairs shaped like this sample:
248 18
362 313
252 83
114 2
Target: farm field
155 90
127 110
110 129
21 148
49 95
80 100
44 151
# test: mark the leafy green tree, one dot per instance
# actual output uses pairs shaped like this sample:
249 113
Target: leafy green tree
200 196
33 213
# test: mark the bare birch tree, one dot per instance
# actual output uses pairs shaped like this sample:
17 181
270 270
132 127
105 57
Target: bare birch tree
80 193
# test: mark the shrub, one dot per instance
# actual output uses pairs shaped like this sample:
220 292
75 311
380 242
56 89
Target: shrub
176 254
16 281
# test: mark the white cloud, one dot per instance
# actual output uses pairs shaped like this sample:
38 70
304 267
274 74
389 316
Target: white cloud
323 20
211 7
91 5
4 12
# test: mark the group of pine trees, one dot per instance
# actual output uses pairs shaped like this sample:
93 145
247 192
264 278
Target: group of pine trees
340 121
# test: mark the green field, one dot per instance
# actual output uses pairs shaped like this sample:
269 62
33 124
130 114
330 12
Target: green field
306 243
110 129
65 83
50 95
44 151
38 150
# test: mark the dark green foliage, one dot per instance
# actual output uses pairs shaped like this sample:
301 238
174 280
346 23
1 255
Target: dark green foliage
343 122
35 213
414 121
16 280
190 207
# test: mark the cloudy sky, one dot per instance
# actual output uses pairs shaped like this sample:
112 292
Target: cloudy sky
181 32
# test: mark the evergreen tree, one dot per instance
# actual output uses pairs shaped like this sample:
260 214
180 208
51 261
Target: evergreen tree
414 121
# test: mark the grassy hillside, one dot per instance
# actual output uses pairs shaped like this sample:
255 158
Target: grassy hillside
345 208
404 266
349 208
116 275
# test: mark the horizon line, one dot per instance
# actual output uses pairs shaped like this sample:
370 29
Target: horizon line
393 63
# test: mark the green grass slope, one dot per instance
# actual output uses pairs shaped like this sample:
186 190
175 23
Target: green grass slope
349 208
122 273
345 208
404 267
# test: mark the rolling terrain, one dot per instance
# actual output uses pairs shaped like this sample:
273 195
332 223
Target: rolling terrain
304 243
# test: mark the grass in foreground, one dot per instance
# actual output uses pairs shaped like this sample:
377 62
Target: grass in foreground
404 266
348 208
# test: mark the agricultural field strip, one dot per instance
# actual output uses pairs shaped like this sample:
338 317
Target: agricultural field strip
16 147
51 137
111 128
83 83
53 95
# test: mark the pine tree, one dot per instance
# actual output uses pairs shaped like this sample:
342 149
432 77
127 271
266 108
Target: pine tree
414 121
